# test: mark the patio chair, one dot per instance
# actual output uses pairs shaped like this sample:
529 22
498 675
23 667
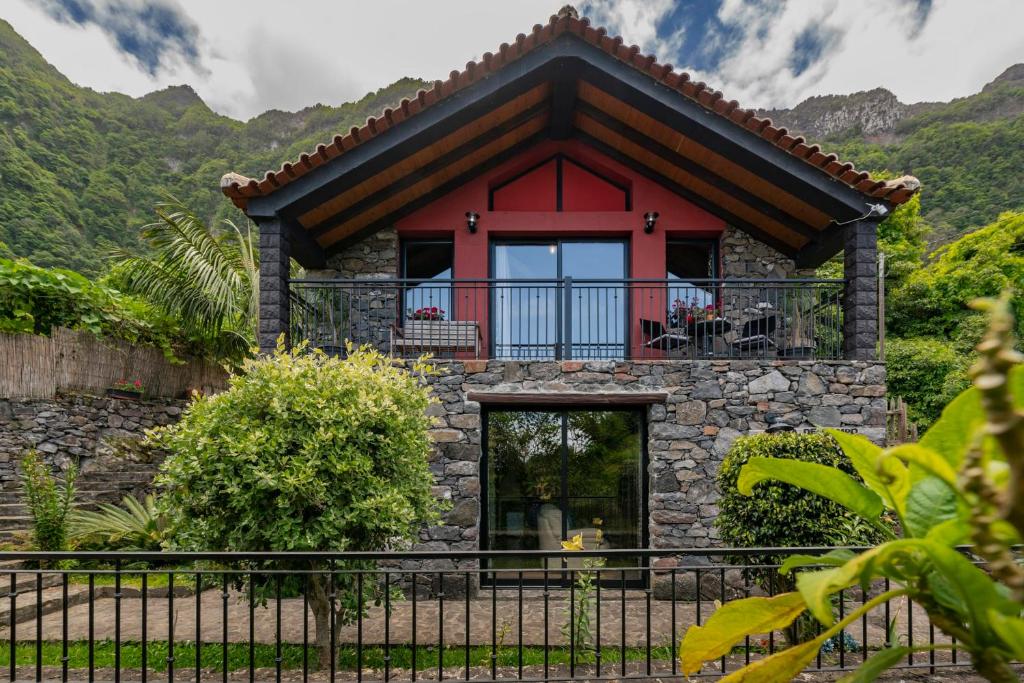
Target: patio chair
549 532
659 337
756 334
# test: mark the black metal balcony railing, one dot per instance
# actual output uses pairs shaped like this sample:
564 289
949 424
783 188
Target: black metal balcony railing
573 319
520 615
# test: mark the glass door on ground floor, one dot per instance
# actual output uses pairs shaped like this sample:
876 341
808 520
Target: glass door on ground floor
554 474
534 318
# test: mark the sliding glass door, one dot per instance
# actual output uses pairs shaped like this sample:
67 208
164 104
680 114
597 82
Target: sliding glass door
534 317
554 474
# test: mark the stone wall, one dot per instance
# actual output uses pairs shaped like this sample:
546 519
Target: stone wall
374 257
744 256
709 405
84 428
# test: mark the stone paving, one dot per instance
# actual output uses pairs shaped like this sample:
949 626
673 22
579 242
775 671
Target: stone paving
505 627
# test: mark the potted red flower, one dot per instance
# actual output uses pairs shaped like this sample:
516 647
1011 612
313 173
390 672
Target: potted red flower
427 313
126 389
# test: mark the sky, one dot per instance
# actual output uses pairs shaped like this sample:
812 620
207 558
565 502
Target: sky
245 58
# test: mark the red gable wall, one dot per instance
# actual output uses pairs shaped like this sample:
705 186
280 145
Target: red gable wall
446 217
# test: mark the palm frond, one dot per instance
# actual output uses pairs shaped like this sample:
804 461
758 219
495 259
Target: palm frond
136 526
207 279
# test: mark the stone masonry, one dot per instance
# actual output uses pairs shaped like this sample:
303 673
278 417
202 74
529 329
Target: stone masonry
82 428
746 257
709 405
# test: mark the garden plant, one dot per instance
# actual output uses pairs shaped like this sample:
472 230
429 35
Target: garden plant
305 452
962 483
49 501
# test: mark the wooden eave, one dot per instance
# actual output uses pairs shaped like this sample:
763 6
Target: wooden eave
568 87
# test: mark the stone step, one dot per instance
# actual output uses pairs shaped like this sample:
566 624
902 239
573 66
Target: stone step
138 476
23 583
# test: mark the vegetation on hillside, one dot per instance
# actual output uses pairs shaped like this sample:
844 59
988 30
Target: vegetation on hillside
80 170
932 329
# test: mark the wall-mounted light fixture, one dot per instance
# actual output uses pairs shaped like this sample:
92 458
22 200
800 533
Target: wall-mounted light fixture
650 218
472 218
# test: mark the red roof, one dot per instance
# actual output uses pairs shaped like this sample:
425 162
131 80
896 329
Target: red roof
240 188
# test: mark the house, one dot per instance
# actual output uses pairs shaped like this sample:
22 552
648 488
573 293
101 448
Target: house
616 265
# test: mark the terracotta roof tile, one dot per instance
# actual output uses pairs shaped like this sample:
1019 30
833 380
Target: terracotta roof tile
240 188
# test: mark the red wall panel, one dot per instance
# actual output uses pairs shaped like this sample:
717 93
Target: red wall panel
446 216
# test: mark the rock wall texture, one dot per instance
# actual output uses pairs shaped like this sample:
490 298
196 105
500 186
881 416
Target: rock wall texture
84 428
709 405
743 256
374 257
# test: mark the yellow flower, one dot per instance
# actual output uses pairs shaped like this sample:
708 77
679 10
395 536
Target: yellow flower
575 544
597 521
599 535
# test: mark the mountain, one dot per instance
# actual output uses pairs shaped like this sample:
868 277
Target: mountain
81 170
968 153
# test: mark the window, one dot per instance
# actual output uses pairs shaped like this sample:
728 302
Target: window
528 318
427 267
553 474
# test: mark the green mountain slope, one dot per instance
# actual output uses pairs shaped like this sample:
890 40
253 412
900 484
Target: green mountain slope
81 170
968 153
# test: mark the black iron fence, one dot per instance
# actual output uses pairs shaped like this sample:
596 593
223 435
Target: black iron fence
573 319
535 616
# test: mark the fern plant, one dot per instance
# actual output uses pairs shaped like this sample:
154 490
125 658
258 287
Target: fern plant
207 279
138 525
49 501
963 482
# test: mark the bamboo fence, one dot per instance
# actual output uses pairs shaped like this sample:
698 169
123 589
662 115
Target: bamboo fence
78 362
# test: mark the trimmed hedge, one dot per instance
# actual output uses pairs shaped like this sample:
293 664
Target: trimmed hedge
780 514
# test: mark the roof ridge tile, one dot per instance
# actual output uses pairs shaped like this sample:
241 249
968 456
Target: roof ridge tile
240 189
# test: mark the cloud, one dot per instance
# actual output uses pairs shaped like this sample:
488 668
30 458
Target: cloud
649 22
776 53
764 53
156 34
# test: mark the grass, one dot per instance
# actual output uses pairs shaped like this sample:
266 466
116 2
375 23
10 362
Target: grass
211 655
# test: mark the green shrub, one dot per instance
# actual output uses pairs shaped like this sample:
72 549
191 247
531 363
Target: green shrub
137 525
49 501
304 452
927 373
779 514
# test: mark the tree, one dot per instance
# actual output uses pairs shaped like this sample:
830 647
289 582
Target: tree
963 482
207 279
304 452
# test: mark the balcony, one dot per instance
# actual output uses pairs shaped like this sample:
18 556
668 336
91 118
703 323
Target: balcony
567 319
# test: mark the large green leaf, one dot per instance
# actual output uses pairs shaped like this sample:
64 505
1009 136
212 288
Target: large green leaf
952 532
732 622
1010 630
927 460
835 558
818 587
956 429
963 587
821 479
864 456
876 664
781 666
930 502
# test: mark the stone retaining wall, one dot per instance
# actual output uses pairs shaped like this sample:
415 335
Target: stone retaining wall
710 404
85 428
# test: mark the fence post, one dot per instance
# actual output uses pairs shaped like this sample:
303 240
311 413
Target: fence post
567 319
